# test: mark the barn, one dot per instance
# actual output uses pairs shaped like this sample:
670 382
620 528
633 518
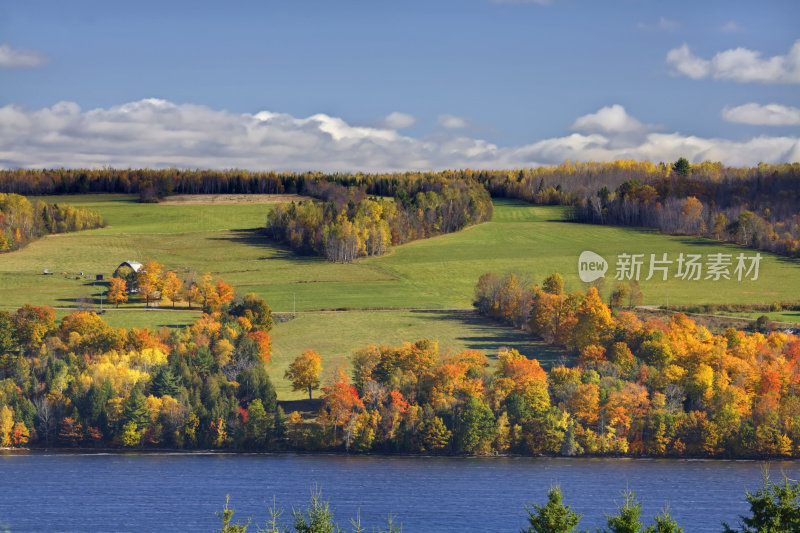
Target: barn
127 271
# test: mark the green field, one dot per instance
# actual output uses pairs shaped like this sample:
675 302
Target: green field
433 274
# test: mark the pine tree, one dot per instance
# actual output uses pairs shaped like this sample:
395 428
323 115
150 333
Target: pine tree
628 517
553 517
165 383
774 508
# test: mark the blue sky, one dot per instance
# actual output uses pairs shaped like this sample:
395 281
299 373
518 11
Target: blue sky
403 85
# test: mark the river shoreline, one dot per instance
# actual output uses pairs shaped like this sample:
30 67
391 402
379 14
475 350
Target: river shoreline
301 453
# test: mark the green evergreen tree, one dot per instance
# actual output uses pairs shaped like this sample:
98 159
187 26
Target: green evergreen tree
255 383
136 408
628 517
553 517
227 516
279 425
165 383
774 508
8 343
682 167
317 518
96 403
664 523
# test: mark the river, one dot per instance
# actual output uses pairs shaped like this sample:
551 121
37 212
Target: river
181 492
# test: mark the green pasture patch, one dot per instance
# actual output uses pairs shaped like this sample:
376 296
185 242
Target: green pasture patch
335 335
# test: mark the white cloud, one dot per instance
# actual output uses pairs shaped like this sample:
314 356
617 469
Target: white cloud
452 122
398 121
610 119
662 24
157 133
766 115
738 64
18 58
730 27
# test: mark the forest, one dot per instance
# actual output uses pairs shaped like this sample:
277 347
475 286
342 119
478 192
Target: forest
755 207
348 225
638 389
22 221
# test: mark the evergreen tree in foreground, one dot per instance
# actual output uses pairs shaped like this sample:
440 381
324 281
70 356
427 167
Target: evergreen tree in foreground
775 508
553 517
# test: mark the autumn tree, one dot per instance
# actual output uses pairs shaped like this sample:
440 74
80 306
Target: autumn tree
148 280
594 321
191 293
255 309
553 284
117 291
304 371
171 286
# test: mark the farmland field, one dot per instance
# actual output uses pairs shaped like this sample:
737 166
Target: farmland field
433 274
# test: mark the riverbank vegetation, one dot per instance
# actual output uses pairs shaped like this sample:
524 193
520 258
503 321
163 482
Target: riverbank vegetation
639 388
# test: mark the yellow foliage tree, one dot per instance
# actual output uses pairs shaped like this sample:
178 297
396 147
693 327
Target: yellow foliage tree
148 280
117 291
171 287
304 371
6 425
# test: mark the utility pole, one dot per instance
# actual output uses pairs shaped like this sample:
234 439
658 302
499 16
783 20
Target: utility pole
293 303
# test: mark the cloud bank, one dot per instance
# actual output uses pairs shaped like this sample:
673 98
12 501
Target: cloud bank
158 134
763 115
18 58
452 122
739 64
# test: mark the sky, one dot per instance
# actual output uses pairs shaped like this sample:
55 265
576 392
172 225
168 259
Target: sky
390 86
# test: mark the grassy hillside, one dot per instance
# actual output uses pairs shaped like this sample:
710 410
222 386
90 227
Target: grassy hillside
434 273
437 273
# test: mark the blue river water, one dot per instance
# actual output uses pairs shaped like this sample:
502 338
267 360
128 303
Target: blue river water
181 492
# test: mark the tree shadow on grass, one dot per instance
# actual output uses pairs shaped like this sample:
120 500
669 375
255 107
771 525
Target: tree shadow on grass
490 336
258 238
307 407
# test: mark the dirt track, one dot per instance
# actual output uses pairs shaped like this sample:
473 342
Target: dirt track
194 199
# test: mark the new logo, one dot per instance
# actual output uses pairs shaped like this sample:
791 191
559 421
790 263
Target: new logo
591 266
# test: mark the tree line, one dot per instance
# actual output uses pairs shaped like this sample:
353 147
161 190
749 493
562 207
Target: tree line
347 224
639 388
753 206
23 221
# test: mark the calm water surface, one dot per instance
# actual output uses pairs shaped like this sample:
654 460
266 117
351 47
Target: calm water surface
181 492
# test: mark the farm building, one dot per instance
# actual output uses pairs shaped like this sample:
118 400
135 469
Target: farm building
127 271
